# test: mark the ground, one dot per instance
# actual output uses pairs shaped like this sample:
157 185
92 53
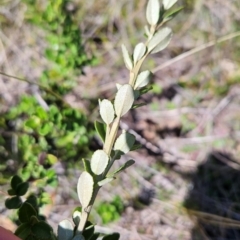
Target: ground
189 129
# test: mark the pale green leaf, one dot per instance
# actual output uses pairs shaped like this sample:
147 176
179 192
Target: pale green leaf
118 85
99 162
126 58
125 166
106 111
85 188
160 40
138 52
152 12
124 142
105 181
76 217
168 3
147 31
65 230
143 79
124 100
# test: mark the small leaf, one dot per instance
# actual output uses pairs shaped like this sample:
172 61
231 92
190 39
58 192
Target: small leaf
101 129
126 58
87 165
125 166
143 79
33 122
124 142
51 159
136 147
147 32
11 192
33 201
118 85
42 230
172 13
76 216
23 231
160 40
15 181
138 52
145 90
99 162
168 3
106 111
105 181
124 99
65 230
25 212
135 106
13 203
152 12
85 189
22 188
113 236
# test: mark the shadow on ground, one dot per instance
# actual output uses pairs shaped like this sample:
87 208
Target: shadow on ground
214 199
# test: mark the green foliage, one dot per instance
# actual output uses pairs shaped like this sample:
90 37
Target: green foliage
110 211
57 129
44 134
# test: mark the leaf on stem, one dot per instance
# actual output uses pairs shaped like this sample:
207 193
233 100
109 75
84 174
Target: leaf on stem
101 129
65 230
99 162
152 12
123 100
85 188
138 52
125 166
124 142
126 58
143 79
160 40
106 111
168 3
105 181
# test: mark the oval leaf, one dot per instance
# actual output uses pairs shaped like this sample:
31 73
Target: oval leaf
168 3
143 79
22 188
65 230
106 111
138 52
15 181
124 99
42 230
99 162
160 40
26 211
13 203
125 166
105 181
85 188
152 12
124 142
76 217
126 58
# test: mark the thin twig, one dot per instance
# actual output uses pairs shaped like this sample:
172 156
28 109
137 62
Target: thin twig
195 50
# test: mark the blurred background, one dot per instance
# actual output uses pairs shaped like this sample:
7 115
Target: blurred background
58 57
